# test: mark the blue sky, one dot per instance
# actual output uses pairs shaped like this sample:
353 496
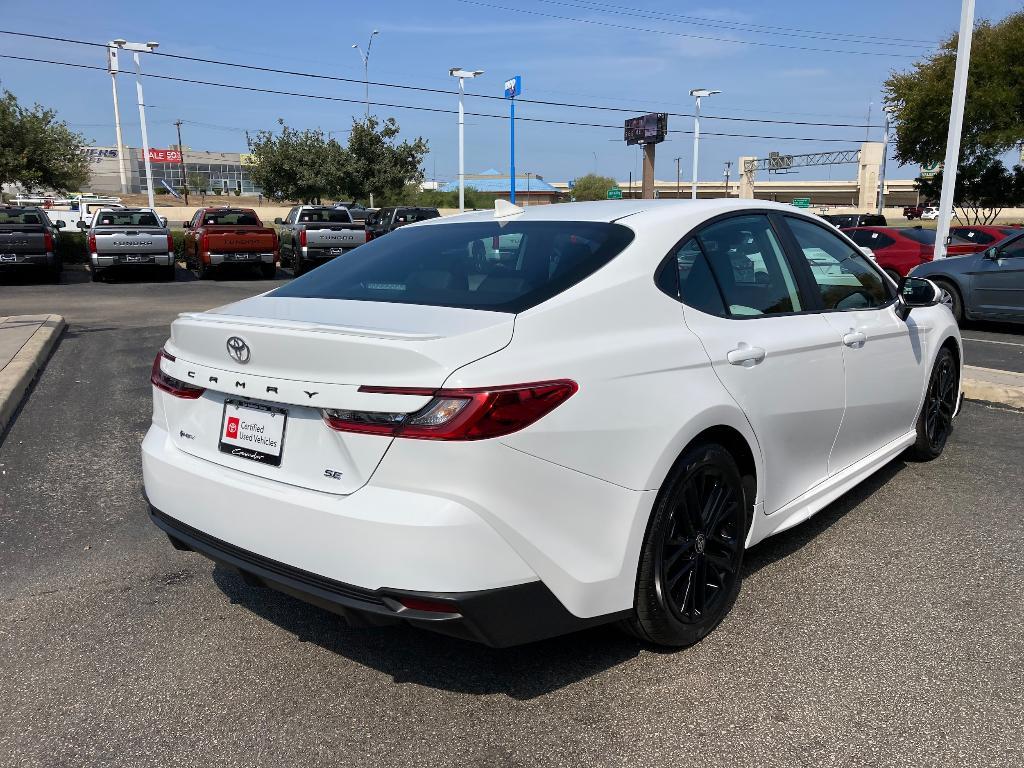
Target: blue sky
640 55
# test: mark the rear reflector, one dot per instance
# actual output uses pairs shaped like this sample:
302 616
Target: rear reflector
169 384
458 414
431 606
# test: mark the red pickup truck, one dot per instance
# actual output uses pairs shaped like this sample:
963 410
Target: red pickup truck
216 238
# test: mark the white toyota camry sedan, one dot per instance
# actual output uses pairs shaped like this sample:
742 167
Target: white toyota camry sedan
509 425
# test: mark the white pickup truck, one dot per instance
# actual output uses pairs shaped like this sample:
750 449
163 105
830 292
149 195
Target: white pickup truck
313 234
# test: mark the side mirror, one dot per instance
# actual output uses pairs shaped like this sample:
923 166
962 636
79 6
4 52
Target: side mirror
59 224
867 252
278 220
186 225
992 254
82 225
916 292
163 221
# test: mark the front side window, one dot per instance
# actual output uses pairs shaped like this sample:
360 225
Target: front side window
1014 248
747 261
507 267
843 275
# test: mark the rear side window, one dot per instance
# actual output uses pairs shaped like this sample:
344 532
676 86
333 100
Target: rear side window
480 265
870 238
747 261
923 236
687 277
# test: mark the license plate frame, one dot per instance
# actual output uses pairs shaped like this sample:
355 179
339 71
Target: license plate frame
252 452
8 258
336 251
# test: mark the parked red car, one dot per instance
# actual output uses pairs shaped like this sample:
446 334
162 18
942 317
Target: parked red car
899 250
983 234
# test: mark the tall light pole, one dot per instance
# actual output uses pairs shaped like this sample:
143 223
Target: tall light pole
112 67
885 156
366 67
462 74
728 172
956 124
698 94
678 179
136 49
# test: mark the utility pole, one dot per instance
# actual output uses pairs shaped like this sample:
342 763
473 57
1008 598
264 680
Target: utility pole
956 124
366 69
678 179
728 170
462 74
697 93
181 151
112 67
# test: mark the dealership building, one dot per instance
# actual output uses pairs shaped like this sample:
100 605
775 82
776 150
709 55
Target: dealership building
226 171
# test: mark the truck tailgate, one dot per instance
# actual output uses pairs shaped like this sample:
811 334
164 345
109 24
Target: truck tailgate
130 241
242 240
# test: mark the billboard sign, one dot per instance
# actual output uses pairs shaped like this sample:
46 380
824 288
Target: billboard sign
164 156
647 129
513 87
98 154
930 170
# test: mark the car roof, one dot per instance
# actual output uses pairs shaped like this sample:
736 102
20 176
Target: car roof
686 213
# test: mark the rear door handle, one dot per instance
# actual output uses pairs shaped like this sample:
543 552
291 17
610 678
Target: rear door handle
854 339
745 356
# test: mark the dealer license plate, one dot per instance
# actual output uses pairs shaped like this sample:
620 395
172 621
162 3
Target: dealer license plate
337 251
8 257
253 431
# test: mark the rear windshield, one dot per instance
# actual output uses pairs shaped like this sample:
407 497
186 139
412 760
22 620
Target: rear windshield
478 265
337 215
925 236
127 219
19 216
230 217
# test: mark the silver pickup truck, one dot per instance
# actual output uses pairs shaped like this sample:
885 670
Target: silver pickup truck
129 238
313 234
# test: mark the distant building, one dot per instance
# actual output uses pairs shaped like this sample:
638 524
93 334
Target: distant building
531 189
226 171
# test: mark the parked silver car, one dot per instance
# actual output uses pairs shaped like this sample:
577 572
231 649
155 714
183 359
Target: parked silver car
988 285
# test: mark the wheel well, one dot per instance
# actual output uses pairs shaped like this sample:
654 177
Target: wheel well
950 342
737 446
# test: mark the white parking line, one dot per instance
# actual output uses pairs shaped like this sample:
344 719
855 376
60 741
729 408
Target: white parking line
991 341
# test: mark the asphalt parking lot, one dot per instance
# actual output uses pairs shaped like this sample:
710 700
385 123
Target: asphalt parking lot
886 631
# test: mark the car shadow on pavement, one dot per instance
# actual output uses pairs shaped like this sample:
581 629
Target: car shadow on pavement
411 655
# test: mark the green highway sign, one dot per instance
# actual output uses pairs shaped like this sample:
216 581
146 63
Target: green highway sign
802 202
930 170
614 193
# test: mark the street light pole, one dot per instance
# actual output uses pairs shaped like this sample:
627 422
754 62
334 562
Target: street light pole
462 74
181 153
366 67
678 179
112 67
728 172
885 156
136 49
956 123
697 93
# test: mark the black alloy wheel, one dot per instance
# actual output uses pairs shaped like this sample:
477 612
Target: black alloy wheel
689 572
935 423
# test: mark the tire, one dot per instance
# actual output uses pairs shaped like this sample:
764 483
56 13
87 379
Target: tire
952 299
97 275
268 271
299 266
203 270
935 422
698 526
169 273
892 273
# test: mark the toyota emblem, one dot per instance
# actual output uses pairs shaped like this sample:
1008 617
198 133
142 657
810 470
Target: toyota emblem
238 349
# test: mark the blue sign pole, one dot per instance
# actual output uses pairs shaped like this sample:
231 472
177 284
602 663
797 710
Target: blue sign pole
513 88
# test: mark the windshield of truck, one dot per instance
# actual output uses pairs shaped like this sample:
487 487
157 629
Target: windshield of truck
505 267
19 216
231 218
325 215
127 219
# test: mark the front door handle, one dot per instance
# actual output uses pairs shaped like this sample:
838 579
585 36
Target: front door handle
745 356
854 339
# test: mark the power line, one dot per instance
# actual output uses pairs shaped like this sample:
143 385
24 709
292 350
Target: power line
424 89
437 110
739 26
735 41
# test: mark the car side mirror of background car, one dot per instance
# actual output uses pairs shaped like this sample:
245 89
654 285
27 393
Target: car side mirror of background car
278 220
916 292
82 225
59 224
186 225
163 221
867 252
992 254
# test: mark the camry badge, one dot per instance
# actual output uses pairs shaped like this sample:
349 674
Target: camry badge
238 349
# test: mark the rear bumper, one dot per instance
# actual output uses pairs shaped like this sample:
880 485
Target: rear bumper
217 259
499 617
101 261
30 260
324 254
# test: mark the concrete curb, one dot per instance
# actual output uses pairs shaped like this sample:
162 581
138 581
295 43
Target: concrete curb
17 376
994 386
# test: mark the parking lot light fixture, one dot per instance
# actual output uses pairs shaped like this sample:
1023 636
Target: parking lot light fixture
136 49
366 67
462 74
698 94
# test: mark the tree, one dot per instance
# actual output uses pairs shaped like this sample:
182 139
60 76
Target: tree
592 187
297 165
984 186
377 163
37 150
197 182
994 110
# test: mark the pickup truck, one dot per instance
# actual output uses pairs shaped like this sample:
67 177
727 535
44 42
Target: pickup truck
82 212
122 238
220 238
27 241
313 234
387 219
912 212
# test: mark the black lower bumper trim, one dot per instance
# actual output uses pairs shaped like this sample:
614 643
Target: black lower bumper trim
496 617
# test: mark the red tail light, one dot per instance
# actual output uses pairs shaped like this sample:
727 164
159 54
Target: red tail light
48 241
204 243
92 243
302 238
169 384
369 235
170 243
458 414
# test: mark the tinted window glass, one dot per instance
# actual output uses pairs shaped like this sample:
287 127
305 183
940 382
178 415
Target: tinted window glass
325 215
697 286
229 217
870 238
844 276
924 236
127 219
973 235
19 216
480 265
1014 248
748 264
